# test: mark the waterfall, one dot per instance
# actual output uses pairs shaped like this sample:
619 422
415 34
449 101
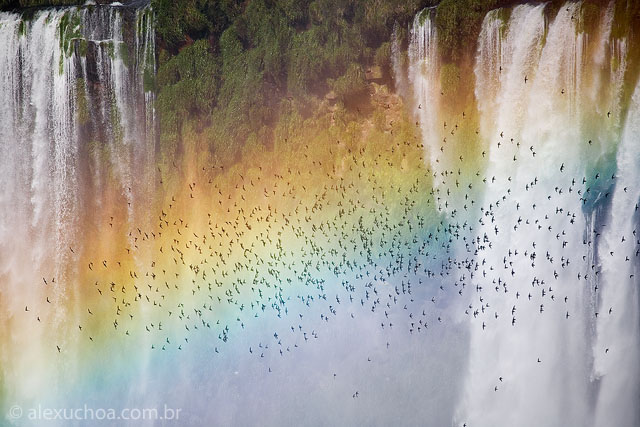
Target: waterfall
619 329
77 111
425 80
532 212
555 204
504 59
493 282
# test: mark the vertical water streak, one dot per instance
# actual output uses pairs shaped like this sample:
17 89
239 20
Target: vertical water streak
533 227
617 346
424 77
72 88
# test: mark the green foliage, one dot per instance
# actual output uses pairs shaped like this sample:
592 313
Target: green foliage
188 85
424 14
68 31
177 22
458 23
305 61
351 85
243 95
265 51
176 19
83 47
295 11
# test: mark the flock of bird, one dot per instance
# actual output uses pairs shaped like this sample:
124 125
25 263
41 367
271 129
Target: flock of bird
357 225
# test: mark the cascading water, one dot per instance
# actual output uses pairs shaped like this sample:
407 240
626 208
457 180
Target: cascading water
424 79
548 253
619 330
77 107
533 220
481 310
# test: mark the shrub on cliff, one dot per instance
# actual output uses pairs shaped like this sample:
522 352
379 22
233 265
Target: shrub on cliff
268 50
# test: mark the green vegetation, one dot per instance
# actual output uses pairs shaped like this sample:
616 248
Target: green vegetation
458 23
69 30
237 72
111 49
83 47
225 66
424 14
350 86
189 87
